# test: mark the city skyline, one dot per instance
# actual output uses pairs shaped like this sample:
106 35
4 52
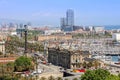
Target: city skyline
67 22
100 12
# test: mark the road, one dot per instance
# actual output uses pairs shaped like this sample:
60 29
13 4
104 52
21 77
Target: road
48 68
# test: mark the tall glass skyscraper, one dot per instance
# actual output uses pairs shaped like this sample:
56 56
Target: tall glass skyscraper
63 23
67 23
70 17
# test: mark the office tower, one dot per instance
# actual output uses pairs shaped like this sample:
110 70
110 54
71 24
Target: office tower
67 23
20 30
70 17
63 23
69 20
11 25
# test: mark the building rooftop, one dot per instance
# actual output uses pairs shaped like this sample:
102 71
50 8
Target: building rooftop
70 51
89 59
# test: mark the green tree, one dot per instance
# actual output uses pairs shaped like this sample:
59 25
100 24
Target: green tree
8 78
23 63
102 73
89 75
112 77
11 44
119 75
99 74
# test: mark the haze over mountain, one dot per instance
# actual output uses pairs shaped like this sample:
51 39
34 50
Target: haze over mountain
49 12
3 20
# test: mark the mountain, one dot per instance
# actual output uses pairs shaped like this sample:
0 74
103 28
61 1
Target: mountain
11 21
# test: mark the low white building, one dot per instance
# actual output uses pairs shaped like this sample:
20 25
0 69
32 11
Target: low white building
91 28
2 46
13 33
116 36
99 29
49 32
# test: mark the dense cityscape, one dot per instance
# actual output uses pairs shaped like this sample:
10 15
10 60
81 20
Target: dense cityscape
68 51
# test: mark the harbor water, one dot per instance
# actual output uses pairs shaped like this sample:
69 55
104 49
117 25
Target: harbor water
115 58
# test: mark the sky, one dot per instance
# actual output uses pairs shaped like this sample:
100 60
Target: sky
49 12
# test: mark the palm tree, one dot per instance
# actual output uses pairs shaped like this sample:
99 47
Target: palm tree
96 64
59 78
84 64
51 78
42 78
1 53
75 79
90 64
10 68
79 65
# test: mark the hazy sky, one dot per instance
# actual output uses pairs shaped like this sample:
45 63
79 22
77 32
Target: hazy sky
49 12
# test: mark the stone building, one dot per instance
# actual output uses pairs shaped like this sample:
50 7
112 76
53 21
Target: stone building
54 37
67 59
